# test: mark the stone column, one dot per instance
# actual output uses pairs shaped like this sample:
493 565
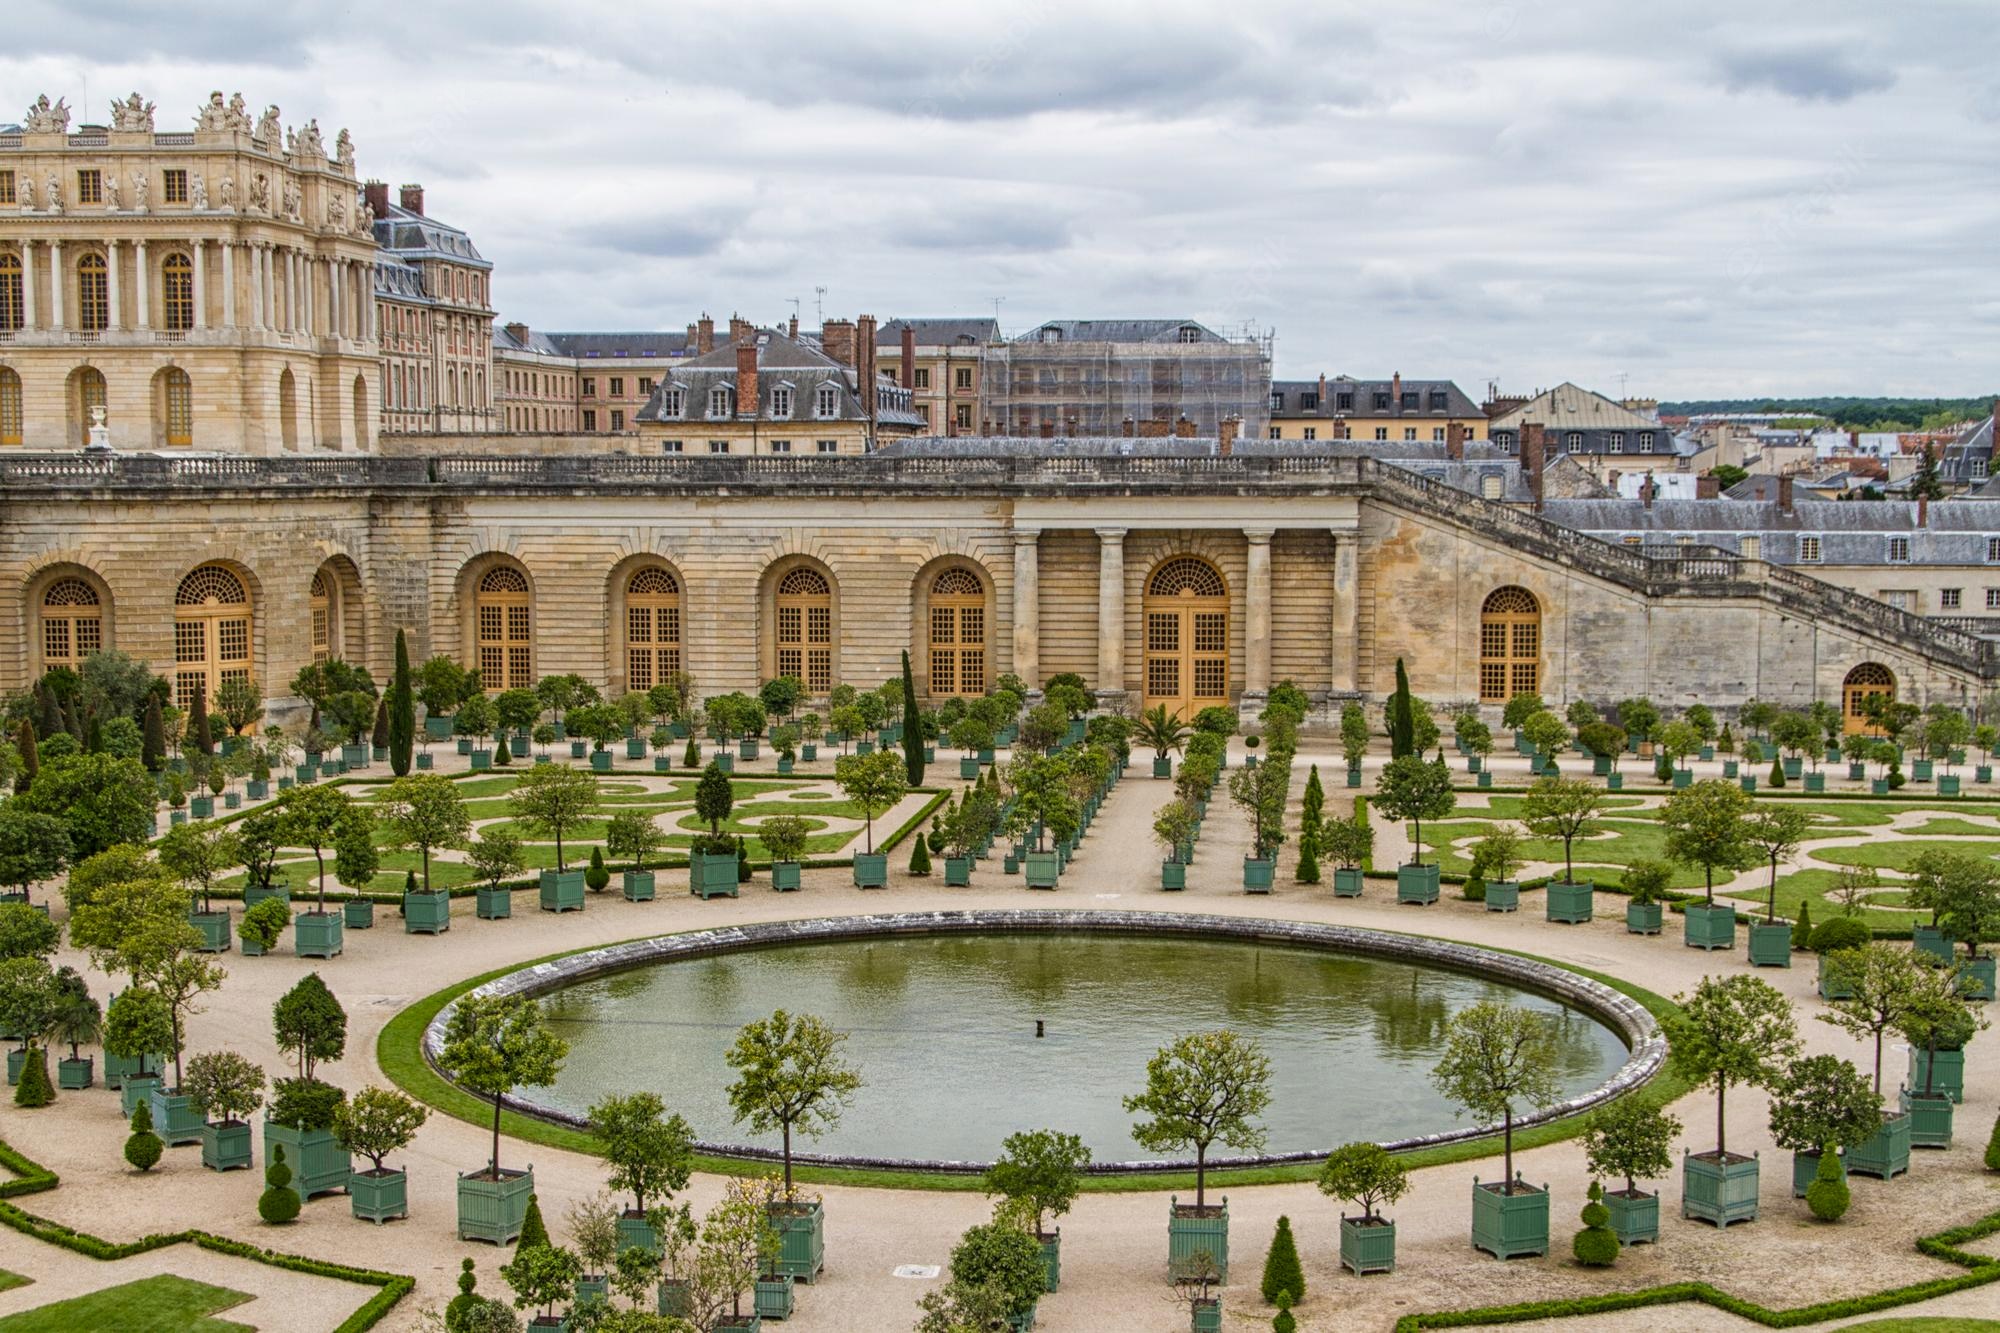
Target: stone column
229 284
112 322
1344 614
29 318
255 256
56 320
333 325
200 285
144 292
1257 615
1111 611
1028 606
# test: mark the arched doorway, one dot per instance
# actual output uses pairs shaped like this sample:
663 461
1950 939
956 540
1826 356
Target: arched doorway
957 656
652 627
804 636
1187 636
1510 645
1867 681
324 598
211 633
72 622
503 615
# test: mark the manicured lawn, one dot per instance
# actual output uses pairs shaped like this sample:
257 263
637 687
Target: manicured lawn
162 1304
1926 1325
1902 855
9 1281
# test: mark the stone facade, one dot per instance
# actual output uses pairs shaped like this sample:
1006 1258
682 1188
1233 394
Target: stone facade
433 297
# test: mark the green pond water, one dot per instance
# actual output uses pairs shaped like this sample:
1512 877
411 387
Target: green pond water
943 1031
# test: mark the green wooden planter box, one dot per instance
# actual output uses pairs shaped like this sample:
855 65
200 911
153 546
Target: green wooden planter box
1830 986
1748 782
215 930
234 801
1947 784
1347 882
16 1060
1051 1259
517 746
1258 873
1793 769
1815 782
1502 895
1417 884
1982 773
1946 1070
1600 765
741 1323
1885 1156
1721 1192
986 757
354 756
871 870
379 1196
784 765
864 747
317 934
1485 780
1932 942
427 913
174 1118
578 748
491 904
712 875
76 1075
968 767
1190 1233
1206 1316
258 893
1569 903
638 886
1683 777
482 760
1730 769
492 1210
1173 876
600 761
176 818
1508 1225
1709 927
358 914
1879 787
1644 918
286 782
1930 1118
119 1068
201 807
590 1288
801 1249
562 890
635 1232
808 752
1770 945
1976 981
785 876
635 748
1163 766
135 1089
1367 1245
663 763
319 1164
438 726
674 1299
775 1299
1042 869
1354 774
1920 770
958 872
1805 1170
465 746
1635 1218
1856 772
225 1145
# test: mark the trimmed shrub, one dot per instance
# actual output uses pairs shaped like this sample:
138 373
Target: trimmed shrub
691 756
1596 1246
1285 1322
34 1089
143 1149
279 1203
534 1231
1843 932
1828 1196
595 876
1802 929
1474 890
454 1313
920 856
1283 1273
1993 1147
1777 773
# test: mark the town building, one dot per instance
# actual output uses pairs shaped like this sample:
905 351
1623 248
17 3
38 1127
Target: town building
433 296
1112 377
1388 411
1587 426
941 361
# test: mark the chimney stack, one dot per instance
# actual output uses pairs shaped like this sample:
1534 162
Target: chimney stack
1785 494
836 339
1708 486
413 199
1454 442
1396 391
864 363
704 336
747 401
1183 428
518 332
1322 390
1126 428
1853 440
739 328
1531 458
377 193
792 329
1648 490
1225 431
1923 511
909 357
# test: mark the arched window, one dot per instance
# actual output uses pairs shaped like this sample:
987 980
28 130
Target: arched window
1187 636
805 629
72 623
177 293
211 633
958 633
652 628
89 382
322 601
504 623
1865 682
177 406
1510 645
10 407
13 310
93 294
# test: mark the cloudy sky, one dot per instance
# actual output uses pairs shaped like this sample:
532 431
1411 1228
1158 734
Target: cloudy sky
1681 199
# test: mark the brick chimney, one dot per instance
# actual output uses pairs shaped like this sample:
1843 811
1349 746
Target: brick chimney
692 338
1923 511
1854 439
1647 490
1048 430
1454 442
746 378
909 357
413 199
1127 428
1225 431
1531 457
1785 495
1396 391
792 329
1183 428
864 362
377 194
1153 428
518 332
704 336
1708 486
836 339
739 328
1322 390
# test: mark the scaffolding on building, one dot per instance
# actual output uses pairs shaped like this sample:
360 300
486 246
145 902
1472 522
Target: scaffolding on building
1142 377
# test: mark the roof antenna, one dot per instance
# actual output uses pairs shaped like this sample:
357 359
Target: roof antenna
819 305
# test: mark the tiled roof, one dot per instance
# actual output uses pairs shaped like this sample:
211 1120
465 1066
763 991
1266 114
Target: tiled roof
1287 397
1120 331
943 331
597 345
1567 407
411 235
781 360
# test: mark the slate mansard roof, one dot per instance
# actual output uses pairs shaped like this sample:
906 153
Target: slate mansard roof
781 362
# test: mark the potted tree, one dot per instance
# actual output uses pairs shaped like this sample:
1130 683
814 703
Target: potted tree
474 722
1494 857
874 782
1042 804
172 963
1548 737
790 1077
785 741
1412 790
1775 831
810 731
1165 734
1731 1030
263 926
735 1248
1876 986
712 860
1678 740
1201 1088
224 1089
1173 829
426 812
1369 1177
355 860
964 831
650 1153
1704 824
1002 1258
1822 1104
30 1000
1564 809
319 819
1646 882
1938 1018
310 1026
1038 1175
374 1123
136 1032
1928 873
1606 742
492 1045
543 1276
784 838
551 801
593 1227
632 836
495 857
1631 1137
1495 1057
441 684
1349 844
1260 794
1968 907
78 1020
515 712
195 854
973 735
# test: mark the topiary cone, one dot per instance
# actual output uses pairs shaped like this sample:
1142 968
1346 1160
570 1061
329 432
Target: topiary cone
1802 928
34 1088
595 876
1828 1196
1283 1274
143 1149
1286 1322
1597 1244
534 1231
279 1203
920 855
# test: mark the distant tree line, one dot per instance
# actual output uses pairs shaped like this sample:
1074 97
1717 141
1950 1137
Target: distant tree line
1898 414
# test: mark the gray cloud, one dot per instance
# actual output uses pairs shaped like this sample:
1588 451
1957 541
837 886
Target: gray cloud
1809 74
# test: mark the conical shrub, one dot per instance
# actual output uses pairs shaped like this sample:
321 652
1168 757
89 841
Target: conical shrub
1286 1322
34 1089
534 1231
1828 1195
1597 1244
920 855
1283 1274
1993 1147
1777 773
1802 928
143 1148
595 876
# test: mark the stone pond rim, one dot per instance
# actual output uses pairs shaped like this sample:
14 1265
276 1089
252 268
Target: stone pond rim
1626 1017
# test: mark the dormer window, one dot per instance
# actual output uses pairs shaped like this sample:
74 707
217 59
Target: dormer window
1277 400
826 402
1309 402
1645 442
1381 402
1439 401
781 402
673 403
1573 440
1051 335
1190 333
1343 402
718 402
